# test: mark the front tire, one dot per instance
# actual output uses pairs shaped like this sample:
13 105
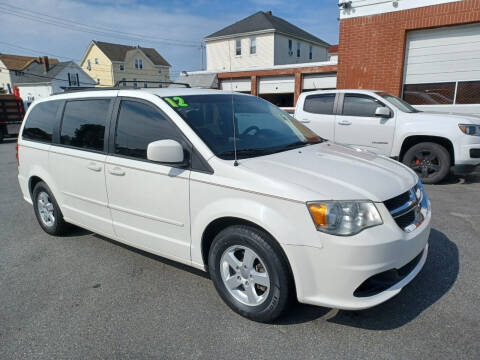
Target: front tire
250 273
430 161
47 211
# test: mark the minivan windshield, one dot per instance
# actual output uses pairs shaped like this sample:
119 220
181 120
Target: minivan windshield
259 127
402 105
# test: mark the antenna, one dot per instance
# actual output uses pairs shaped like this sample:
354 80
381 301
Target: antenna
235 163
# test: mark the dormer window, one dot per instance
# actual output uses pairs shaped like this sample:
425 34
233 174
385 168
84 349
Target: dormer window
138 64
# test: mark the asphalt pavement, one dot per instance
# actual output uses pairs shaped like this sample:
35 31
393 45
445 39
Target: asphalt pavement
86 297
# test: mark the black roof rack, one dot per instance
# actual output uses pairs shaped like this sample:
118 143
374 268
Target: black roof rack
121 85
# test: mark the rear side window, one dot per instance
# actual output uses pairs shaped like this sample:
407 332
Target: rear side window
319 104
41 121
83 124
138 125
360 105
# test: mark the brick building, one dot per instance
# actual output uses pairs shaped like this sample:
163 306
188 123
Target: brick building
427 51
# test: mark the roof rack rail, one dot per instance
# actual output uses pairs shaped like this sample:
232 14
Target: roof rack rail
119 85
123 82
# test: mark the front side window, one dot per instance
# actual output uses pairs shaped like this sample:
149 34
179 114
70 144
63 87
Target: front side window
40 122
253 45
319 104
238 47
399 103
138 64
138 125
260 128
360 105
83 124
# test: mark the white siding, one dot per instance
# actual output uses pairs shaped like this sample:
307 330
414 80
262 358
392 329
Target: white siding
319 81
29 93
373 7
220 58
84 79
276 85
443 55
282 55
236 85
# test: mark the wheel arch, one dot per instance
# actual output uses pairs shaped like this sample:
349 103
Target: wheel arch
412 140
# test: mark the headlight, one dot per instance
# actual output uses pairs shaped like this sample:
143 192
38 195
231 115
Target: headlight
470 129
344 217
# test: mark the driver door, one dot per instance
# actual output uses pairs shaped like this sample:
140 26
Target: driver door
149 201
357 124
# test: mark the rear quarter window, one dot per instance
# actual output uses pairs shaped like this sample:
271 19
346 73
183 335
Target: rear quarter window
41 121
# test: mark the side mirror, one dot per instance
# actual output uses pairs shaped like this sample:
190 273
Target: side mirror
383 112
165 151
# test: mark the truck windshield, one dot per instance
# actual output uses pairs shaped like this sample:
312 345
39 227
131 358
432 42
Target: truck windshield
260 127
402 105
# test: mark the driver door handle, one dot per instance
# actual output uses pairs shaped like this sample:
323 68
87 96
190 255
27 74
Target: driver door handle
94 167
117 171
344 122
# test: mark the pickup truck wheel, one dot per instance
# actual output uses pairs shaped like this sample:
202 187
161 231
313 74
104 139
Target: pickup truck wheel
47 211
250 274
430 161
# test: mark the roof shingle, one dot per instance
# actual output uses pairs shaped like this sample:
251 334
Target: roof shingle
18 62
117 52
265 21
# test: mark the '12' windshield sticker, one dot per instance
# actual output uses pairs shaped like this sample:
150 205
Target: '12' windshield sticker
176 101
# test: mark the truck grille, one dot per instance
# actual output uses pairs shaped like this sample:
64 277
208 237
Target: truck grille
409 209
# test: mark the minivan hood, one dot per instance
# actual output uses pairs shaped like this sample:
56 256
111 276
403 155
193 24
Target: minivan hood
446 116
328 171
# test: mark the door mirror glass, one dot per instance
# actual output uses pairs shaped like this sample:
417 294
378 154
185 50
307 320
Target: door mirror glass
165 151
383 112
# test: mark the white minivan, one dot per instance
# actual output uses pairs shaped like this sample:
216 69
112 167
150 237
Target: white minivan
229 184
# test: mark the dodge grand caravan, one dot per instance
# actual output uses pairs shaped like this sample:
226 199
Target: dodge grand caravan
229 184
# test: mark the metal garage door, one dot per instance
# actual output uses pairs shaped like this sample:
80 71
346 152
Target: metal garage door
442 67
243 85
319 81
276 85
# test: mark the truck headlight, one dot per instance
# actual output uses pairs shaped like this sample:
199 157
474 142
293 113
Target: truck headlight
344 218
470 129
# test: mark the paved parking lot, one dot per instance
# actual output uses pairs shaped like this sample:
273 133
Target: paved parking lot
84 296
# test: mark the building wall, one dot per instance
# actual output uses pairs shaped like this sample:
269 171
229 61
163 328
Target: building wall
73 69
372 48
283 56
148 72
30 93
101 71
8 77
374 7
220 58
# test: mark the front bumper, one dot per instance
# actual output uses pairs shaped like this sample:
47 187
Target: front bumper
330 274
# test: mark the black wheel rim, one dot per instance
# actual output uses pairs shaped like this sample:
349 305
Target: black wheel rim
426 163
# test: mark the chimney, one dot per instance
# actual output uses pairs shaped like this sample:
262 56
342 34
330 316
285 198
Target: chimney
46 64
269 12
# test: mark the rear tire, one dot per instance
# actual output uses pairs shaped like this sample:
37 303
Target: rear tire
47 211
249 272
430 161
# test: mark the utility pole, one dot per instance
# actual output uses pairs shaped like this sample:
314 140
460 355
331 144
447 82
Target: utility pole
201 50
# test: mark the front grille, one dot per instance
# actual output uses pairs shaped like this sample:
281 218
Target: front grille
406 208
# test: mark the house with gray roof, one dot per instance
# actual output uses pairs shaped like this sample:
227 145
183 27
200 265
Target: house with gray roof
42 79
262 40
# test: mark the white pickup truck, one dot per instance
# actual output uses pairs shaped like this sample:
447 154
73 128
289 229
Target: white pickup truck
430 143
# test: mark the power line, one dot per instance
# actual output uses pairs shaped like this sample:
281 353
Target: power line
44 77
86 30
90 26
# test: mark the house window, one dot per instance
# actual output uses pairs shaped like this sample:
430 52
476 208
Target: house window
89 64
73 79
135 83
159 70
238 47
253 45
310 52
124 82
96 61
290 47
298 49
145 84
98 81
122 67
138 64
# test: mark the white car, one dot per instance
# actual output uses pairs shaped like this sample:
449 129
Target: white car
229 184
430 143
